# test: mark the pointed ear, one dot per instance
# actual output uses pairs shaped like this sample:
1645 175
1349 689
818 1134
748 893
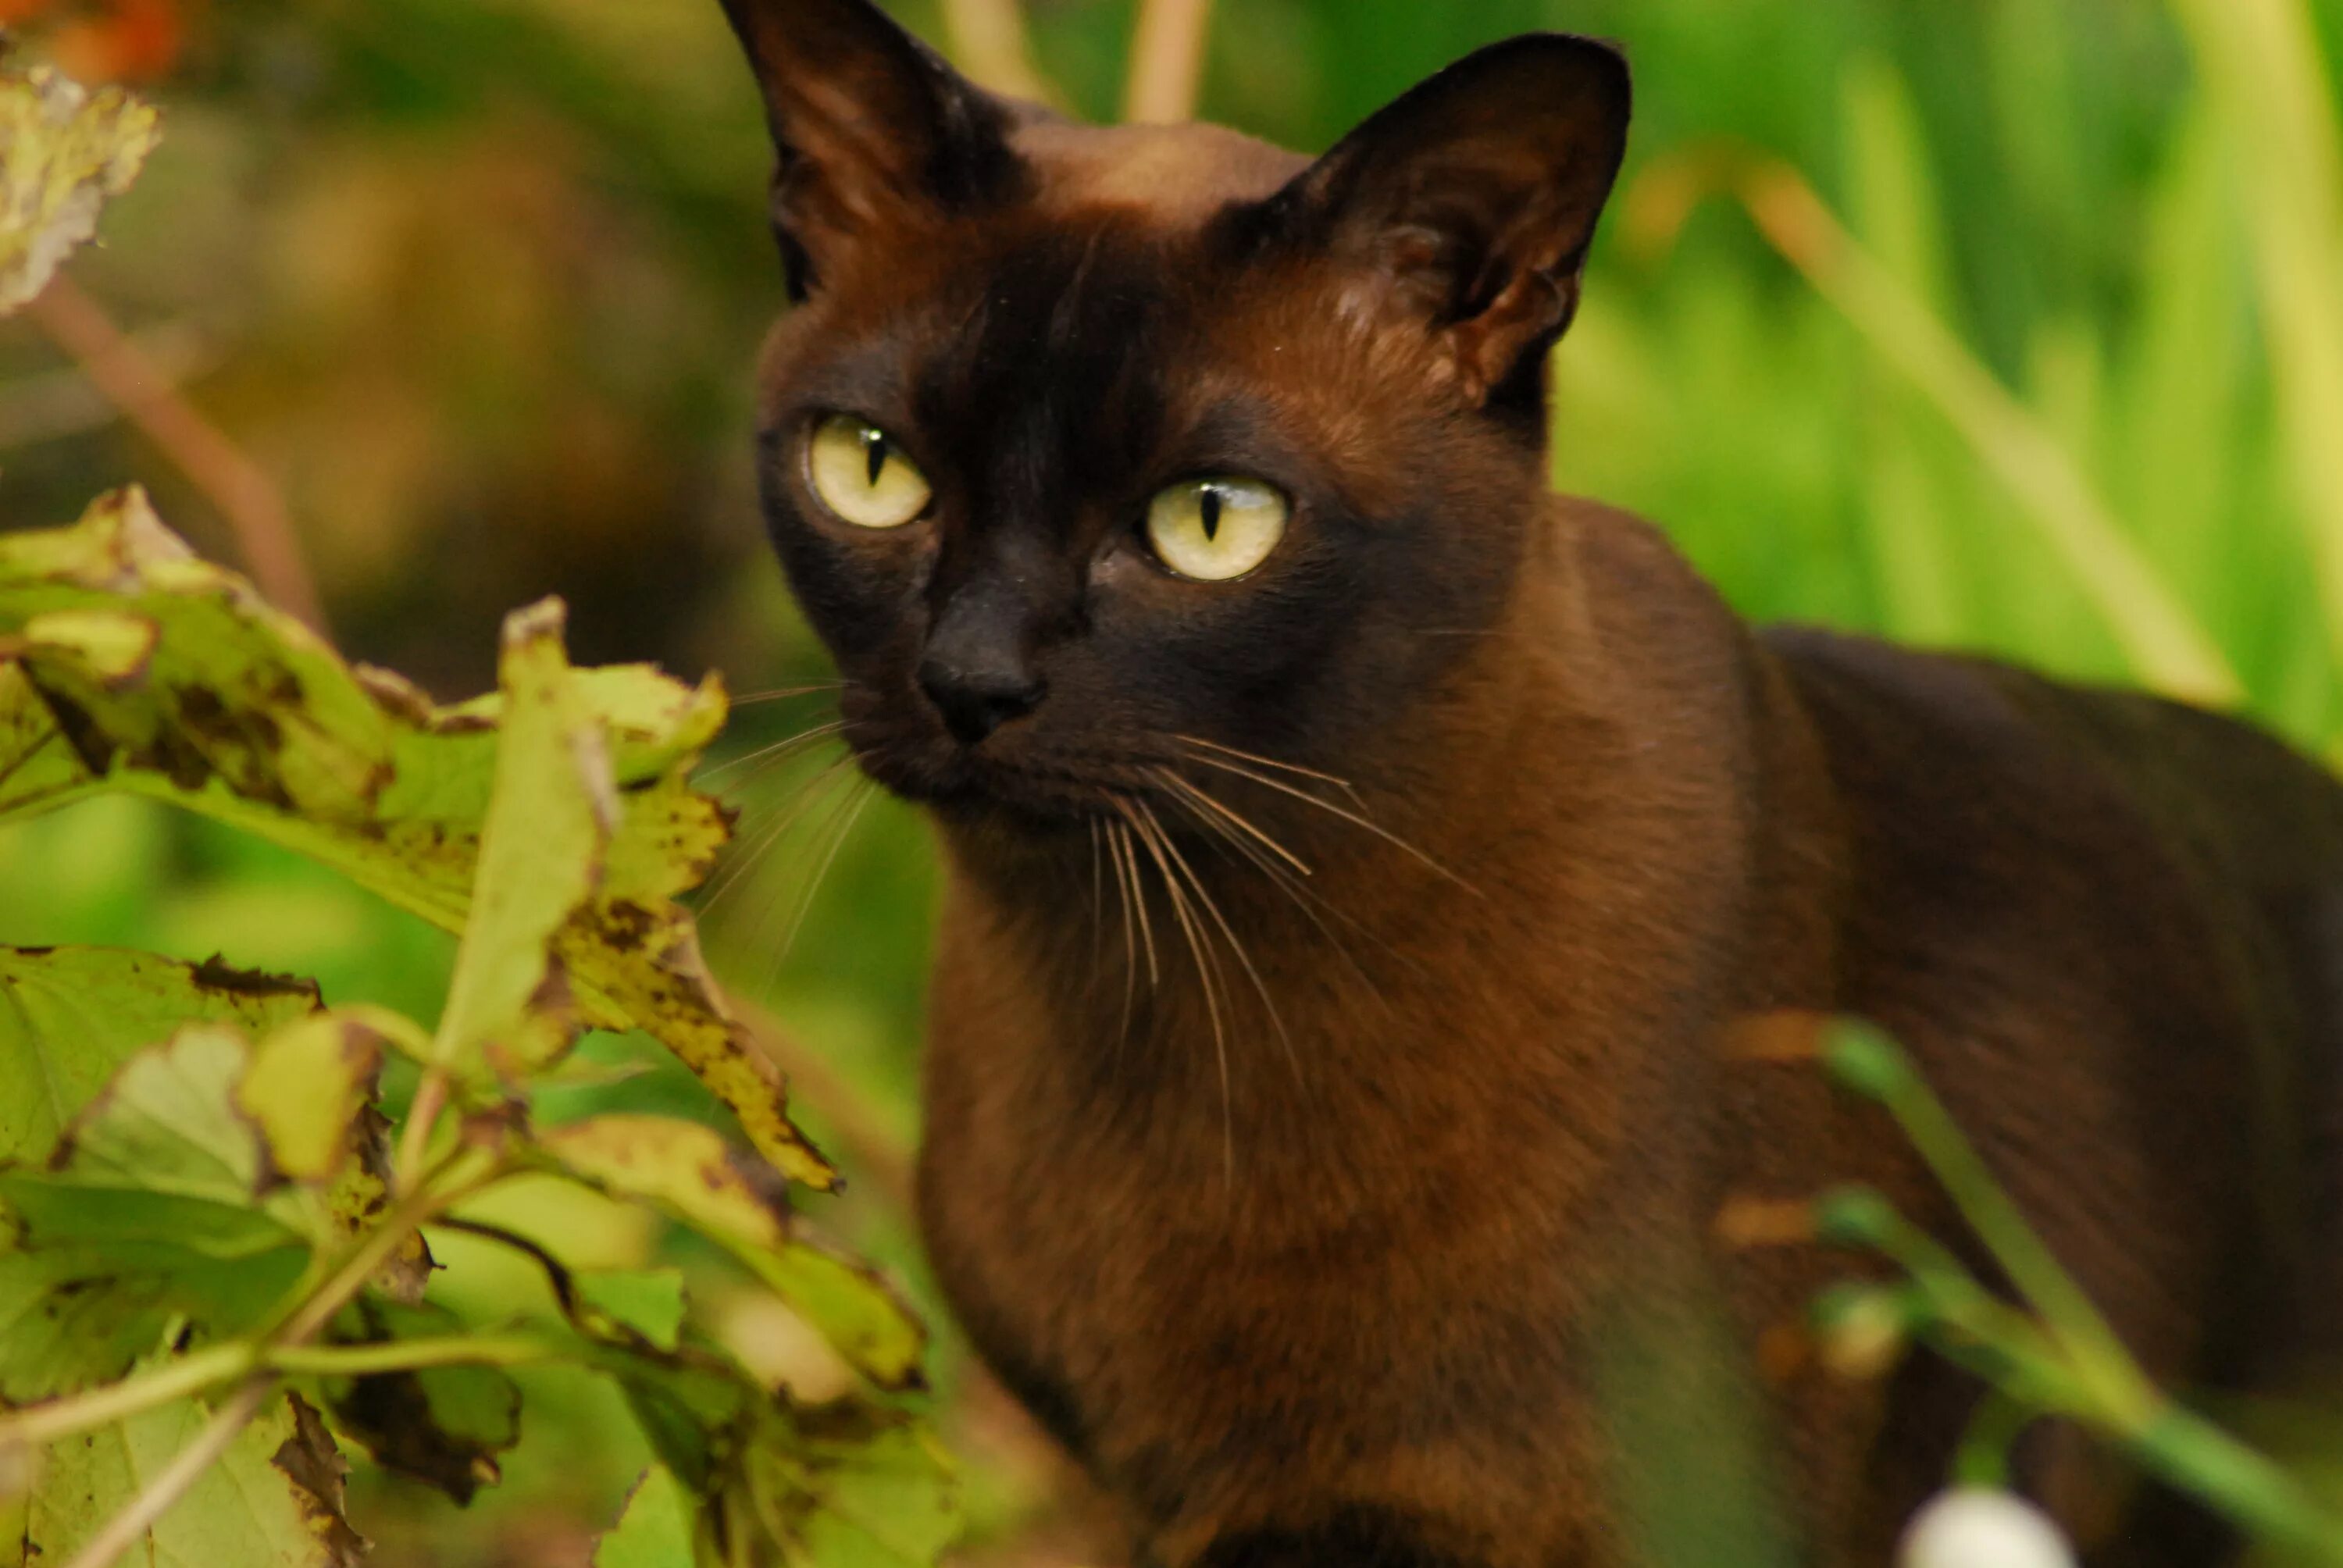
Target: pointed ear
874 130
1469 202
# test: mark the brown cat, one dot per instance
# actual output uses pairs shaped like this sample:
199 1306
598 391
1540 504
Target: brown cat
1175 507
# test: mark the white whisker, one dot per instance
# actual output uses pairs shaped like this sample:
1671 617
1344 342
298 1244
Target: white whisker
1353 818
769 755
793 808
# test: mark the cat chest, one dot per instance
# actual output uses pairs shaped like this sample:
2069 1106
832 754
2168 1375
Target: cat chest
1258 1336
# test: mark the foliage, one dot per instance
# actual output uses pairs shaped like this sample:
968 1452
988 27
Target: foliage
63 150
213 1273
2051 1353
194 1171
141 668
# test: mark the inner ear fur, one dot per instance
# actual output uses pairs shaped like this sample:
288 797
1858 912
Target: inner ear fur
874 132
1470 201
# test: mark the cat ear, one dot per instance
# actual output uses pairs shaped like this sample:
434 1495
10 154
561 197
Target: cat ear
875 132
1470 201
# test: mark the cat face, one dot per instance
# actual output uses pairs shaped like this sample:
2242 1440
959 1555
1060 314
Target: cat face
1086 447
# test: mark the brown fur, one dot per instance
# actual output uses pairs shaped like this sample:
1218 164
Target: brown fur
1409 1266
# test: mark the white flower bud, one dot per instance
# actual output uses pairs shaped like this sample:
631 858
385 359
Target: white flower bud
1977 1528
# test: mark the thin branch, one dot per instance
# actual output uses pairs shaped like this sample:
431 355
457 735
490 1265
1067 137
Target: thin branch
459 1175
239 487
53 405
1167 61
414 1355
989 40
192 1376
123 1530
422 1117
206 1370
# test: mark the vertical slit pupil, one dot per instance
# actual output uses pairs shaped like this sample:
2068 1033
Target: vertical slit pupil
874 453
1208 506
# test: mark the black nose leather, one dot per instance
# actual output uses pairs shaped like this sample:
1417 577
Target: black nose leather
975 703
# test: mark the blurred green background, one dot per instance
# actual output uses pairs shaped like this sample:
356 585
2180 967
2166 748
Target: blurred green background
474 286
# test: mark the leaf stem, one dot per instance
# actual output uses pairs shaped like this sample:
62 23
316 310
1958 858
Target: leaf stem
2065 1358
414 1355
2195 1456
176 1379
191 1376
422 1116
1983 1458
456 1176
2097 1354
453 1178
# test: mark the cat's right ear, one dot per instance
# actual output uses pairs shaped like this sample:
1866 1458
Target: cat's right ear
877 136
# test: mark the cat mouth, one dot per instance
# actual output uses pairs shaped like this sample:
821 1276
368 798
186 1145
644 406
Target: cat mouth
1037 790
1166 785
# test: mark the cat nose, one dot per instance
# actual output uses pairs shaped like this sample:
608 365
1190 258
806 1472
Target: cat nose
976 702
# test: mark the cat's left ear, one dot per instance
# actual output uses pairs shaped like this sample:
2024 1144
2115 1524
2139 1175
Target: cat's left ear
1469 202
875 133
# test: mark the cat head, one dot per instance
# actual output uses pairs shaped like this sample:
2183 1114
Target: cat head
1085 448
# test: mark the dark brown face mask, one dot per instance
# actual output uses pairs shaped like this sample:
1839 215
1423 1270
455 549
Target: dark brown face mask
1082 445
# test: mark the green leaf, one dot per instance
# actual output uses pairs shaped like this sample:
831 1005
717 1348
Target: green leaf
37 764
846 1486
655 1530
111 645
843 1485
307 1086
167 1125
442 1425
63 152
682 1168
2266 72
75 1317
852 1307
550 820
244 715
161 1205
71 1017
152 1209
128 1225
274 1501
692 1407
690 1173
646 1302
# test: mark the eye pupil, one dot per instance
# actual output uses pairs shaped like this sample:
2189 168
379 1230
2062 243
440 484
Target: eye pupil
1216 529
863 475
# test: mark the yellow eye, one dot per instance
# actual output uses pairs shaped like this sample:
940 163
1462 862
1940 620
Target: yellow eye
862 476
1216 529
